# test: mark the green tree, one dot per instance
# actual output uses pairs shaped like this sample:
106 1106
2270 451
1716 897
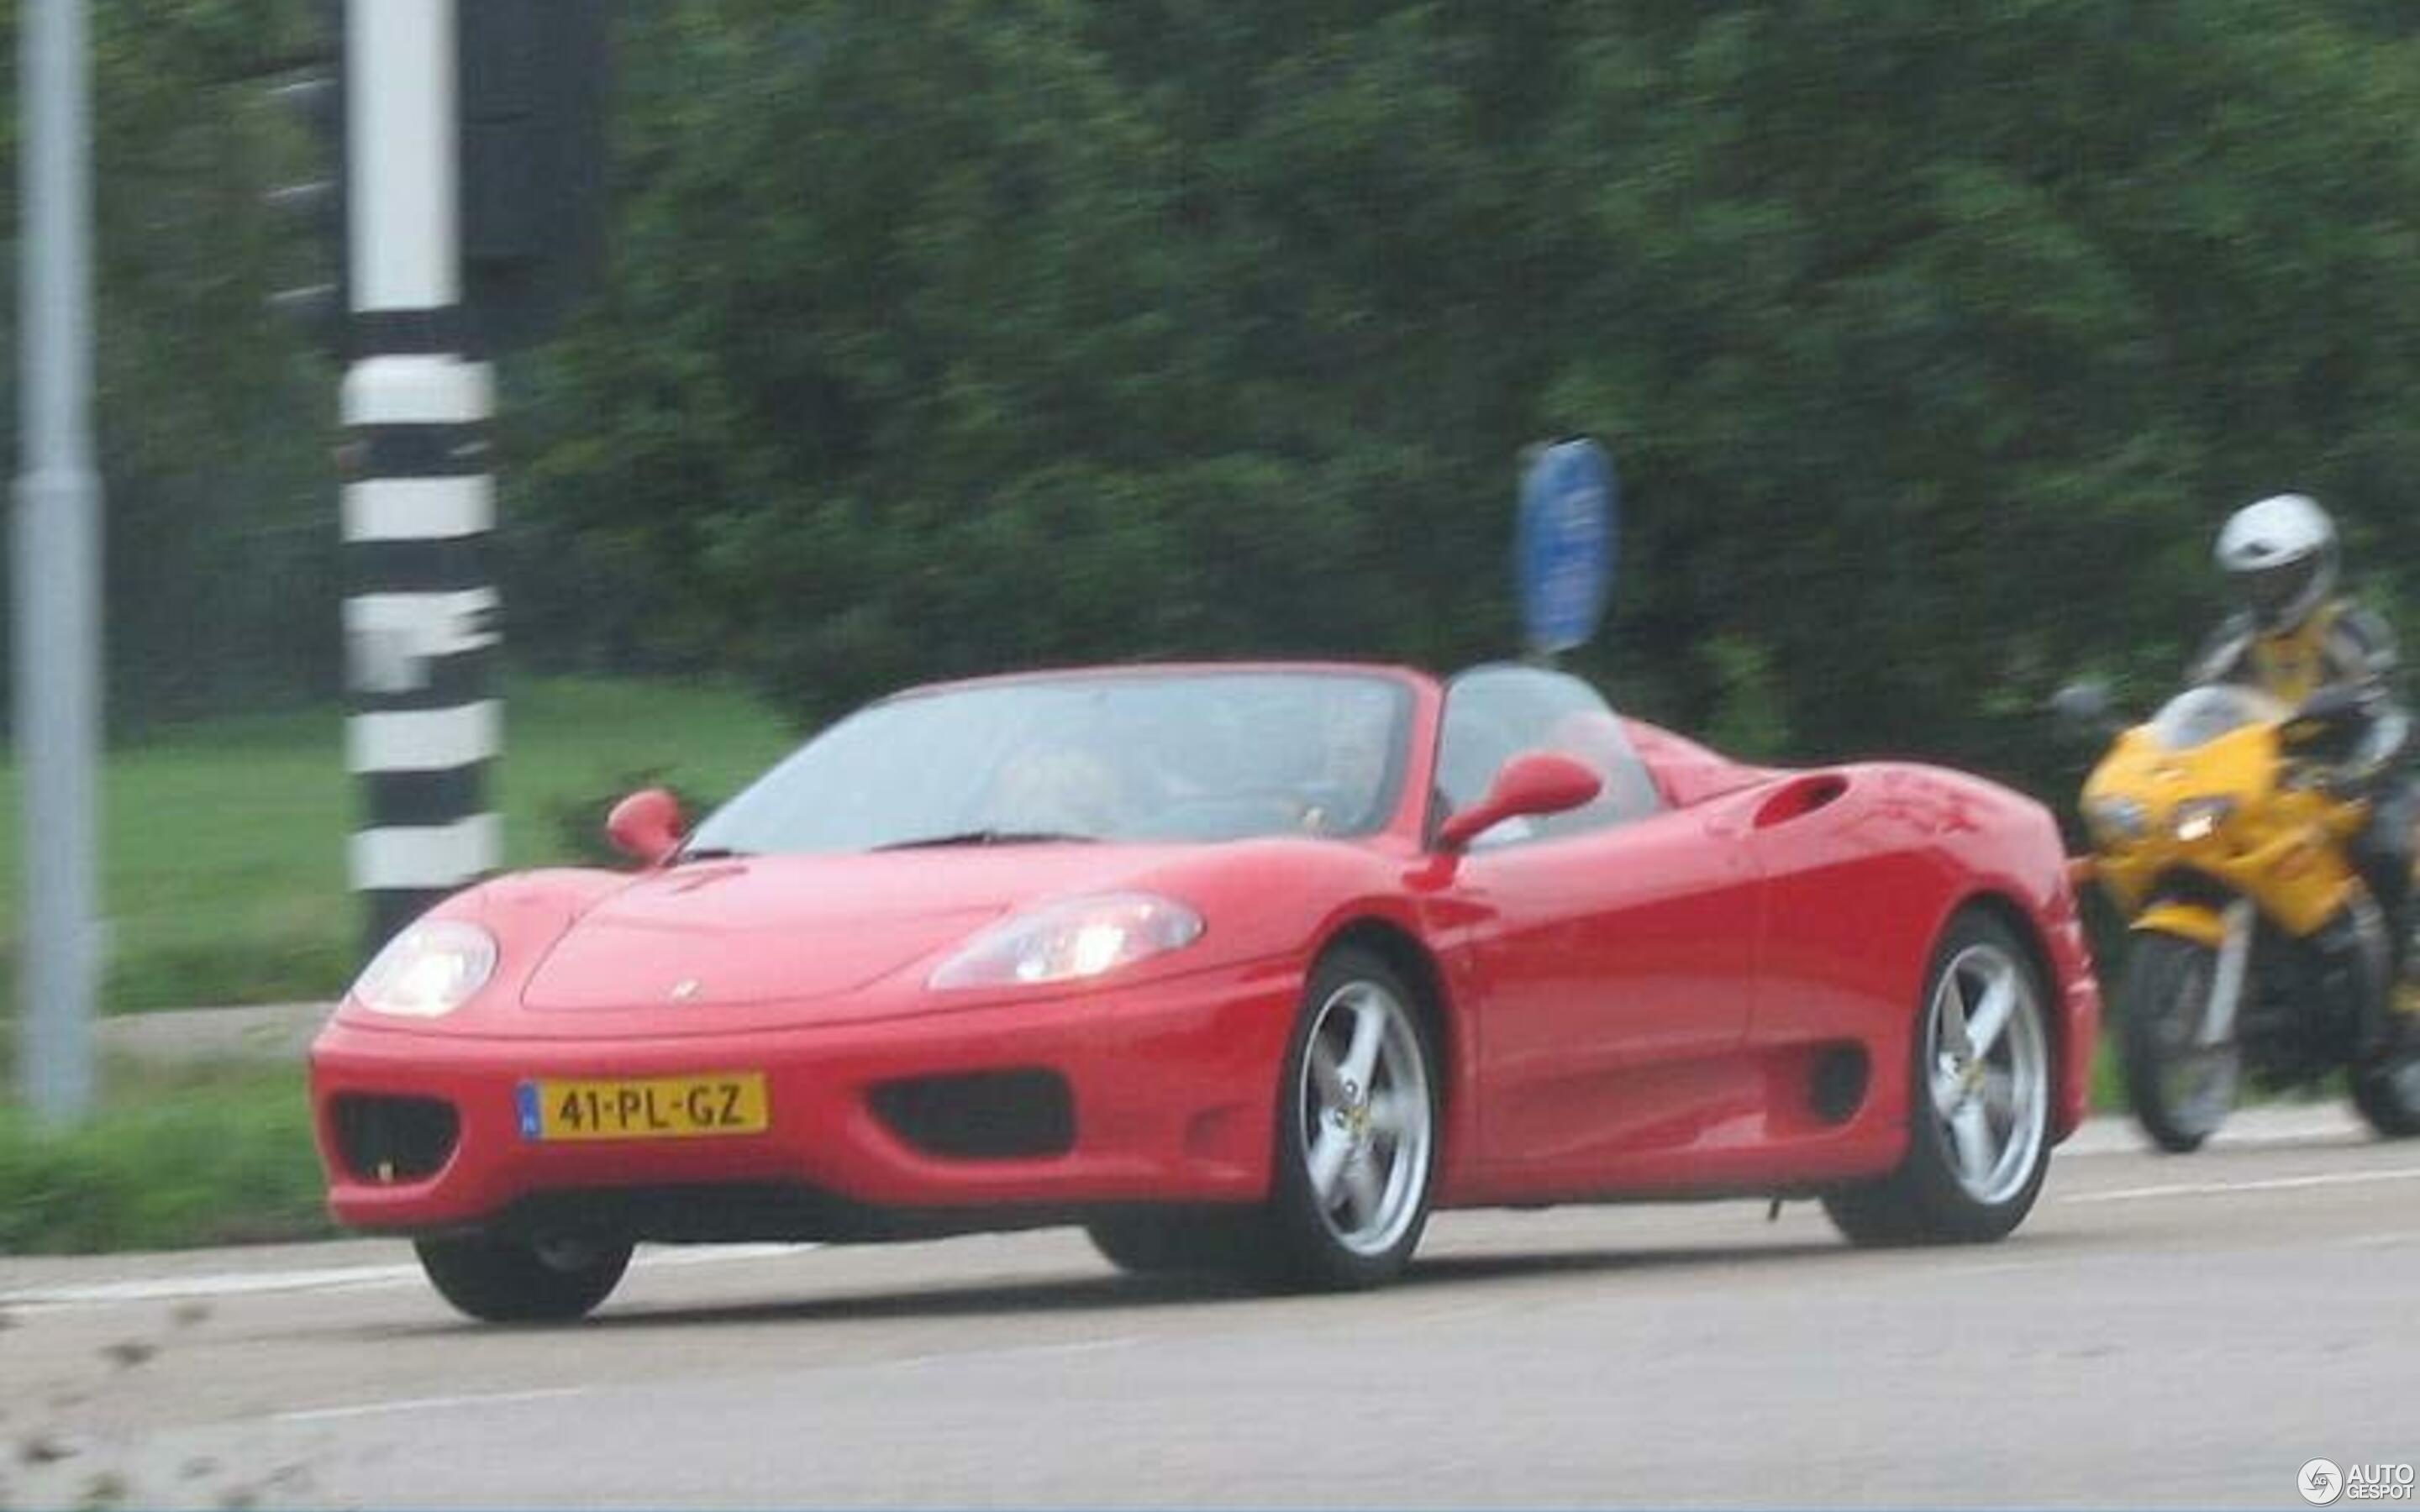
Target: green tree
1932 343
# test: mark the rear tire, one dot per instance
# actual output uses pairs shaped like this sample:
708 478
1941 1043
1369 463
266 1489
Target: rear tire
2166 987
499 1280
1980 1086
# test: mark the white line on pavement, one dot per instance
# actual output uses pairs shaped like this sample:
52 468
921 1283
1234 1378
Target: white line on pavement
419 1404
2376 1241
716 1254
1020 1352
332 1278
2270 1183
227 1284
1994 1267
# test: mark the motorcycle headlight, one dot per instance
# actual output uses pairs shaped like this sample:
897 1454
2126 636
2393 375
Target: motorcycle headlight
2116 818
429 970
1071 941
2199 818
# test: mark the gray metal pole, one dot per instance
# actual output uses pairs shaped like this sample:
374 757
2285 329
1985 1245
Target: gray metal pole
57 562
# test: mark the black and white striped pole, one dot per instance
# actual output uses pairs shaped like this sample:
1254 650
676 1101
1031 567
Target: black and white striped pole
420 610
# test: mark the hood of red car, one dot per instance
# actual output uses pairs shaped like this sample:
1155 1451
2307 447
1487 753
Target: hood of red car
794 930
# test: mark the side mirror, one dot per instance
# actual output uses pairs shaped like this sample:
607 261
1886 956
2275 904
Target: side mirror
1538 782
647 825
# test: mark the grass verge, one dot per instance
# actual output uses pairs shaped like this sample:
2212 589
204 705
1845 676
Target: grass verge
212 1155
223 864
2108 1083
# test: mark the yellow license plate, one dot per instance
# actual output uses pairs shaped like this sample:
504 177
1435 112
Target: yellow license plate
658 1107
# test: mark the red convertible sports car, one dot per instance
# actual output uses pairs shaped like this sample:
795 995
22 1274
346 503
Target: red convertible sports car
1243 967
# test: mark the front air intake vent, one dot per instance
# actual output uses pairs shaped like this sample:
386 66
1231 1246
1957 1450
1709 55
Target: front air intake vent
989 1115
1839 1089
393 1138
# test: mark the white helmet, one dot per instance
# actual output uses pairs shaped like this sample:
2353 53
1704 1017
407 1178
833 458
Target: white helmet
2280 558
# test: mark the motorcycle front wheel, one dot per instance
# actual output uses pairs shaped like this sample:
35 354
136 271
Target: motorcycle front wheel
2387 1092
2386 1081
2182 1090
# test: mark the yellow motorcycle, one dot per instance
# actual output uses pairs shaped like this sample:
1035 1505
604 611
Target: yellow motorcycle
2258 949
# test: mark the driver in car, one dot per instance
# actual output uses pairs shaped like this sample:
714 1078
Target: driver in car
1356 745
2290 638
1057 787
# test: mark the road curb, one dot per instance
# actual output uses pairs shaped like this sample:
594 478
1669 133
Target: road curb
266 1034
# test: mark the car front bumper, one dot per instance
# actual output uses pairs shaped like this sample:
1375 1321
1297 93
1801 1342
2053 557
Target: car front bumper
1171 1086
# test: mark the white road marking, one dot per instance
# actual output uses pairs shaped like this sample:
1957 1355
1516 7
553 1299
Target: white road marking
229 1284
422 1404
236 1284
2270 1183
1990 1268
344 1278
1020 1352
661 1260
2376 1241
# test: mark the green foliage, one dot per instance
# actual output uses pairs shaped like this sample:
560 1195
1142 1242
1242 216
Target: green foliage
1933 349
1748 719
224 861
225 1161
213 428
1933 343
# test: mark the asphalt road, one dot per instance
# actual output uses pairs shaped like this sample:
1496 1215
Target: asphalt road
2164 1331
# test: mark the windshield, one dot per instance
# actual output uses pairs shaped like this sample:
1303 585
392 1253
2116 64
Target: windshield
1170 756
2200 715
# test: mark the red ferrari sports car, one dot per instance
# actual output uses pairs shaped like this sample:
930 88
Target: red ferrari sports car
1241 966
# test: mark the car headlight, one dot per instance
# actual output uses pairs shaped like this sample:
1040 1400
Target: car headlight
2199 818
1071 941
429 970
2116 818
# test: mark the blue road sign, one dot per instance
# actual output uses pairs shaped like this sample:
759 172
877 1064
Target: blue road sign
1563 550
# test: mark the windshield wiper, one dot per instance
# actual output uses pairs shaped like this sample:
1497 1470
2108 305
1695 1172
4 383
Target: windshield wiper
989 837
710 853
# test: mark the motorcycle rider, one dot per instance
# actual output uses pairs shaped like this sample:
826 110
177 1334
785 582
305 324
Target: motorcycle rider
2291 638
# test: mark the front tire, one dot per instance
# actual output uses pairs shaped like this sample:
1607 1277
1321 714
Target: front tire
2180 1092
499 1280
2387 1093
1357 1132
1981 1089
2386 1082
